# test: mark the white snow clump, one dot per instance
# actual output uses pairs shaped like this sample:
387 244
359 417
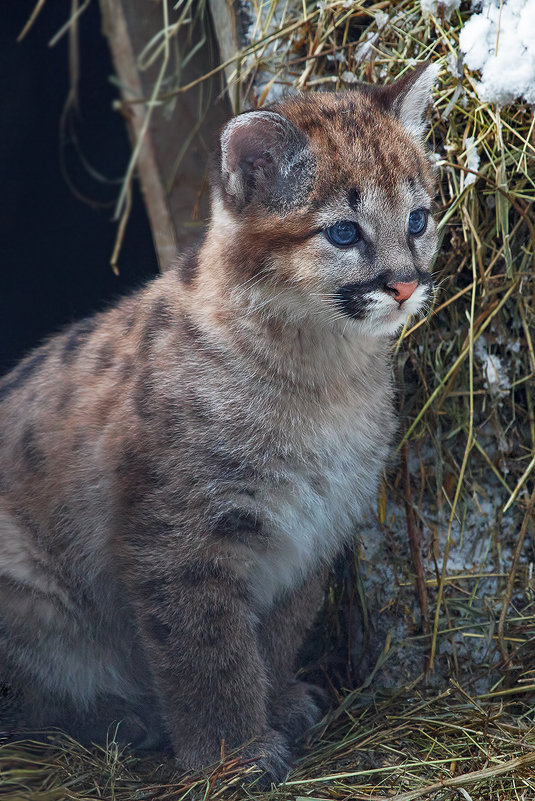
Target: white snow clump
435 7
494 371
501 44
472 161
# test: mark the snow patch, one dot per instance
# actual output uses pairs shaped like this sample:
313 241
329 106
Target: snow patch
493 369
454 64
500 42
473 565
349 77
440 7
381 18
472 161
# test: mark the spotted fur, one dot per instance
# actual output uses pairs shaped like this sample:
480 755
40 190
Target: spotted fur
177 473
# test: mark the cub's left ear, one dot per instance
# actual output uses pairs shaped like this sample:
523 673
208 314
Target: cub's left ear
410 96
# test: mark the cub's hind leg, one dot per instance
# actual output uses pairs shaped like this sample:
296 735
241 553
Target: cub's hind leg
32 606
294 705
46 651
128 722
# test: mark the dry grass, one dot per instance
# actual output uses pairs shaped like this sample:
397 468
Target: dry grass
406 745
467 454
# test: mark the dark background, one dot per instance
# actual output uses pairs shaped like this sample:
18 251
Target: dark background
54 248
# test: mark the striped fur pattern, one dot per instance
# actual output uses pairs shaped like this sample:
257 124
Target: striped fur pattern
177 473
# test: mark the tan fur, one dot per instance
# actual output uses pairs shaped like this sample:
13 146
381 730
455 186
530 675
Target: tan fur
177 473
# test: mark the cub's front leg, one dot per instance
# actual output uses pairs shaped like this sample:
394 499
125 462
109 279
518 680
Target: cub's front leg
200 638
294 706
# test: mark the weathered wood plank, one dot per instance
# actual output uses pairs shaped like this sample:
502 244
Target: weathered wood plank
173 157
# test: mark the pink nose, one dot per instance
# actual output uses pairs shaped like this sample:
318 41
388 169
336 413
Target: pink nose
402 291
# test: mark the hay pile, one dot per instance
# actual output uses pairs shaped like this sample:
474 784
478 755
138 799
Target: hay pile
405 746
457 509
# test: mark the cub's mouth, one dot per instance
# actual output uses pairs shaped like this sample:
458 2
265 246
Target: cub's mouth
385 298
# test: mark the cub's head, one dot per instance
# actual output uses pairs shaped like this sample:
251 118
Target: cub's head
324 204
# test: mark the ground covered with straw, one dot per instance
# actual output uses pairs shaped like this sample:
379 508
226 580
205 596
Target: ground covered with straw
426 643
405 745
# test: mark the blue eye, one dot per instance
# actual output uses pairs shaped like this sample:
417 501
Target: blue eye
343 234
417 222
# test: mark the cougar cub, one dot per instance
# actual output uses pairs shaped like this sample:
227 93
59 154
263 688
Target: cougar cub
177 472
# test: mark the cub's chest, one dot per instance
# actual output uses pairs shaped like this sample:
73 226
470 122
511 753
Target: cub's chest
321 491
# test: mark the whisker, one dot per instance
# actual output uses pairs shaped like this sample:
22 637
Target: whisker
258 275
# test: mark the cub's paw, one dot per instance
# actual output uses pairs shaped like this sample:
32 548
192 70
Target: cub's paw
296 708
270 760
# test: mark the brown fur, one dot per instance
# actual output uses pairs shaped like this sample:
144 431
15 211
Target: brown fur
177 473
357 143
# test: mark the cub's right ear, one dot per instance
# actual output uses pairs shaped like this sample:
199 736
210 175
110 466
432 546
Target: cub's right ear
265 159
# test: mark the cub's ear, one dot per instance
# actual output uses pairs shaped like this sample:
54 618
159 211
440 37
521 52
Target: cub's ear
265 159
410 96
